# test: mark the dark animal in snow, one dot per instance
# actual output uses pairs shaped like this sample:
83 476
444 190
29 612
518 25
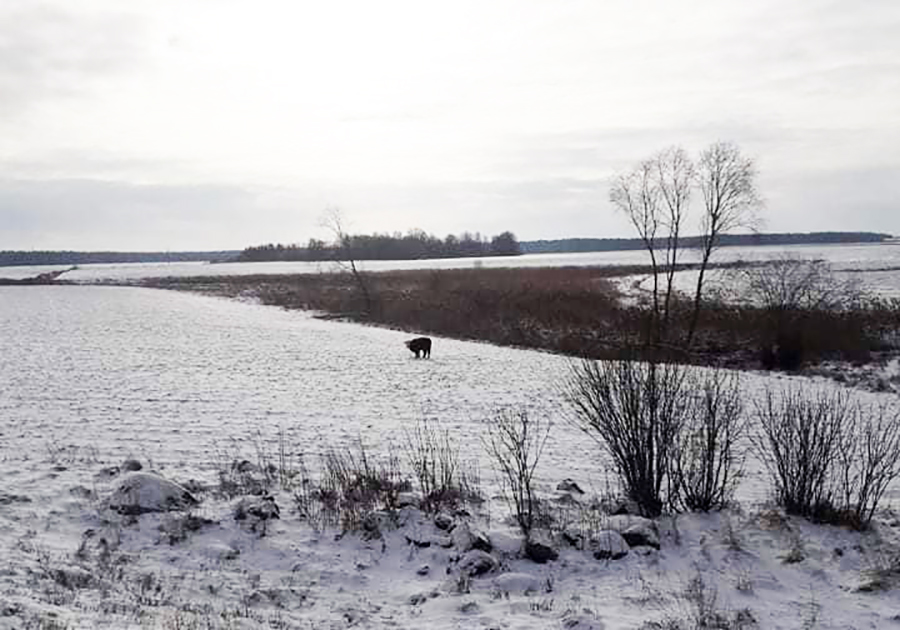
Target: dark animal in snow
420 344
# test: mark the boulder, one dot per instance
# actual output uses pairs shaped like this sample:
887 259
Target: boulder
518 583
374 522
573 536
139 492
569 486
477 562
465 538
408 499
131 465
419 536
584 621
636 530
540 549
620 505
443 521
608 545
259 508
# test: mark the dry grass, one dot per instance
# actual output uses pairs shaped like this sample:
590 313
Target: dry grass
570 310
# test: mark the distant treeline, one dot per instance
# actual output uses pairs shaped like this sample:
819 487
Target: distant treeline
19 258
415 245
571 245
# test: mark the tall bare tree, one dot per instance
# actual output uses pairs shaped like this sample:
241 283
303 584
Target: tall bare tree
674 176
636 195
727 182
345 257
655 196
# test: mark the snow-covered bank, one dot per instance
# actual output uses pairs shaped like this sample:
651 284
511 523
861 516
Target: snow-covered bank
187 384
71 562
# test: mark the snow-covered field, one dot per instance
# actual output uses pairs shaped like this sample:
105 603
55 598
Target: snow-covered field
91 376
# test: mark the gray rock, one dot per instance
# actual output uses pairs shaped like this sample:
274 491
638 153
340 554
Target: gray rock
418 537
481 541
540 549
620 505
132 465
608 545
465 539
374 522
568 485
518 583
636 530
641 534
574 536
139 492
259 508
408 499
477 562
582 622
469 608
443 521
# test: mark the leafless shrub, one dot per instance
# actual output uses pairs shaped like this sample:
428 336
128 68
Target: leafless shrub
801 438
515 442
636 412
354 483
707 464
831 458
434 459
869 462
790 284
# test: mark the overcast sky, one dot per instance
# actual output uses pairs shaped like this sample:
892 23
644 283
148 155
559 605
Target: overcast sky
217 124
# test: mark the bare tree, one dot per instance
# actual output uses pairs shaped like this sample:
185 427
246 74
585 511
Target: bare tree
674 179
655 196
727 182
345 257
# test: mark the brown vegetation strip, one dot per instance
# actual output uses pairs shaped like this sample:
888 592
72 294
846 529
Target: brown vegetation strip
570 310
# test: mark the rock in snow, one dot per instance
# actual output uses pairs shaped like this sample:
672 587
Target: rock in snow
540 549
477 562
608 545
567 485
261 508
636 530
140 492
518 583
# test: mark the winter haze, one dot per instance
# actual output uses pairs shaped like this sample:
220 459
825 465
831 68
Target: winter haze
211 125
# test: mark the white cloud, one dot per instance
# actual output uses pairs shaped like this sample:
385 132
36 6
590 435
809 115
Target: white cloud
493 107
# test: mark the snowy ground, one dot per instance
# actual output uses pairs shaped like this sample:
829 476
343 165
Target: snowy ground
91 376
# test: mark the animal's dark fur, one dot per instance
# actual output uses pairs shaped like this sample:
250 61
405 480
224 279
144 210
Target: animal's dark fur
420 344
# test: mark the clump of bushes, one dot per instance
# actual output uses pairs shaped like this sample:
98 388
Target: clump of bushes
830 457
672 436
435 461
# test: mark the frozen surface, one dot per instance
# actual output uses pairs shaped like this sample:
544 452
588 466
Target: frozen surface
92 375
874 256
